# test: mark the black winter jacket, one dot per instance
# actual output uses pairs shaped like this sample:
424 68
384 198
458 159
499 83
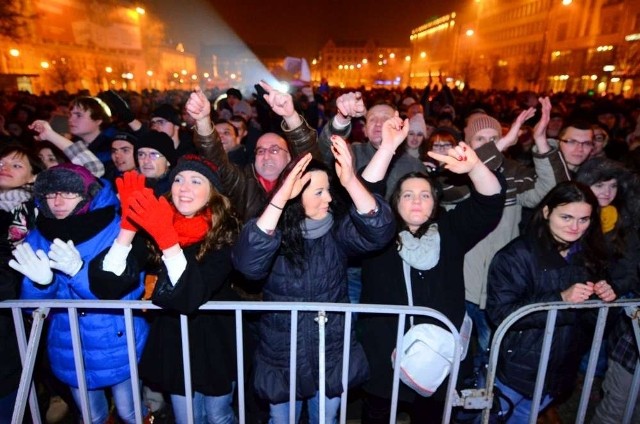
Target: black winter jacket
323 278
520 274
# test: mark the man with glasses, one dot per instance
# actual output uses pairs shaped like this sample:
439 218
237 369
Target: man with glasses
576 144
249 186
155 155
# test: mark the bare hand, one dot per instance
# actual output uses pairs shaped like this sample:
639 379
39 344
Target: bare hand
293 182
578 292
394 132
198 105
351 105
604 291
460 159
511 138
43 128
281 103
344 161
540 130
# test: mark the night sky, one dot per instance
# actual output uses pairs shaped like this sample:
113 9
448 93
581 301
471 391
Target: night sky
299 28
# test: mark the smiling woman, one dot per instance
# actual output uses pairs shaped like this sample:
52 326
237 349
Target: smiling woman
192 230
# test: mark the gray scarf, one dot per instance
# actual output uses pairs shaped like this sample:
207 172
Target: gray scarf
423 253
316 228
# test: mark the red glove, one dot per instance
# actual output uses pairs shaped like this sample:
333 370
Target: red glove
129 183
155 216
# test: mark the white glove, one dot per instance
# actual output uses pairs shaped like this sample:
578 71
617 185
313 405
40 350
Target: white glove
65 257
34 266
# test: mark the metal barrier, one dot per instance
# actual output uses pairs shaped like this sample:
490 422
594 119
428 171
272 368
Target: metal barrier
41 309
631 307
478 398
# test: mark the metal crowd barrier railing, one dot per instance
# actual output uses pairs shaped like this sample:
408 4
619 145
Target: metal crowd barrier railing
475 398
631 308
41 309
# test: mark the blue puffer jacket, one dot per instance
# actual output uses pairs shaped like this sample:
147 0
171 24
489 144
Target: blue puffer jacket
103 334
323 278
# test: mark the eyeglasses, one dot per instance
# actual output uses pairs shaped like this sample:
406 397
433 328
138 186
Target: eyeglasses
64 194
158 121
441 146
151 155
575 143
599 138
274 150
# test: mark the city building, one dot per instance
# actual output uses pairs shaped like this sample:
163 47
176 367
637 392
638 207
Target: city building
362 63
575 45
75 45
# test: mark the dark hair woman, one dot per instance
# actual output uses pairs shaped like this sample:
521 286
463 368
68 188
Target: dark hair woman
300 244
560 258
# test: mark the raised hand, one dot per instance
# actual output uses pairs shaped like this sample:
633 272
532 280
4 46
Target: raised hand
460 159
43 128
394 132
198 106
351 105
65 257
155 216
511 138
344 161
33 265
281 103
540 130
293 182
129 183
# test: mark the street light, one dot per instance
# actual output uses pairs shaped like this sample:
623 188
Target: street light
14 52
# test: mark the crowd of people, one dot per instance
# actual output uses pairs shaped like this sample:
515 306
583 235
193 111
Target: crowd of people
478 202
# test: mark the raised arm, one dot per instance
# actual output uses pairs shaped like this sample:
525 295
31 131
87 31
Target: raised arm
301 137
511 138
361 197
78 153
290 188
349 105
394 132
463 160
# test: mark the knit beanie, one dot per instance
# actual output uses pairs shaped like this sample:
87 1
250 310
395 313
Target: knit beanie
66 178
417 124
479 122
196 163
159 141
129 138
167 112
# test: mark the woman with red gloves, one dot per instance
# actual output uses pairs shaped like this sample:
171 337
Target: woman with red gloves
192 230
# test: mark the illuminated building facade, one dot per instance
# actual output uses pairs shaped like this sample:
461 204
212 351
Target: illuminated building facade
574 45
355 64
76 45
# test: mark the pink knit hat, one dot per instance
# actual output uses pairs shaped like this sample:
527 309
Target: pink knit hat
480 121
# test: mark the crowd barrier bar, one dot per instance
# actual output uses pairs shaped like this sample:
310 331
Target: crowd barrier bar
477 398
631 307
